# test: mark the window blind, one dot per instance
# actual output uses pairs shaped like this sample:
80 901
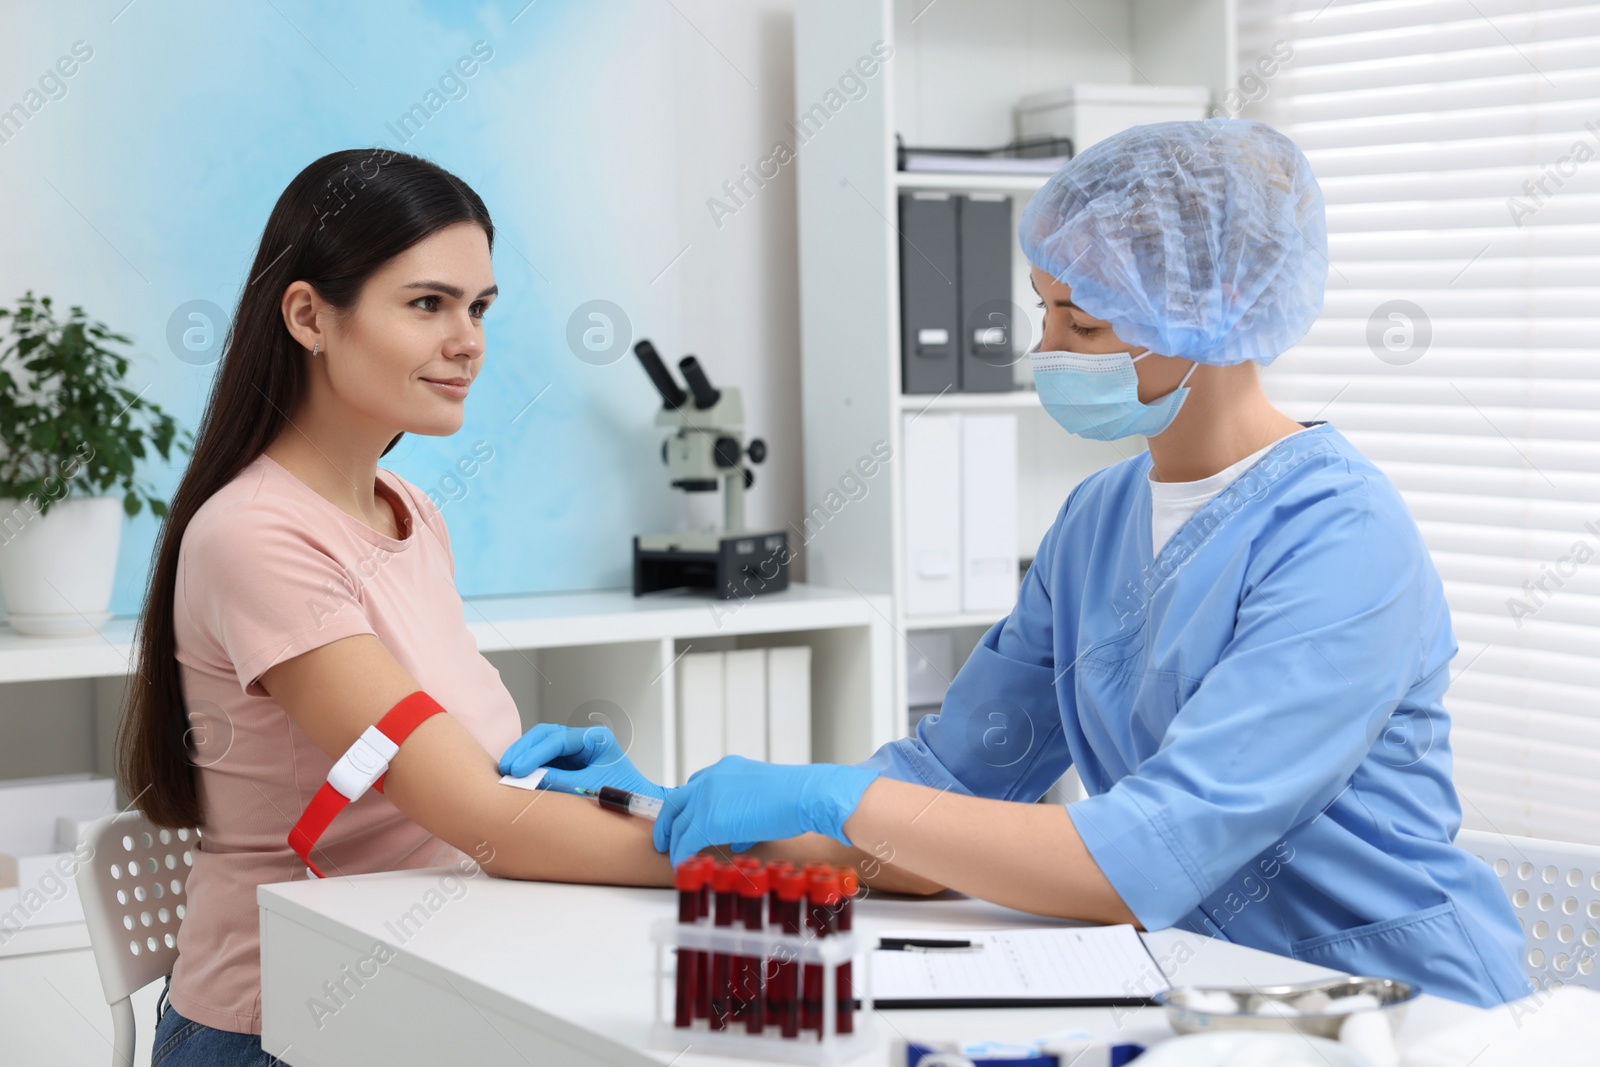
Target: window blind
1458 148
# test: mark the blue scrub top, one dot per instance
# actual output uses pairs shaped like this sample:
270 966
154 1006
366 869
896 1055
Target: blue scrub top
1256 714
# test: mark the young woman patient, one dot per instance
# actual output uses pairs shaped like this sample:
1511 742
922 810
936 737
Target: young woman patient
300 591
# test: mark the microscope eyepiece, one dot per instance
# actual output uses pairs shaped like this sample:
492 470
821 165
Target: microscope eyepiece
704 395
671 394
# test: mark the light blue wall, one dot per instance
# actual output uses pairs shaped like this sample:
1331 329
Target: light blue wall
147 183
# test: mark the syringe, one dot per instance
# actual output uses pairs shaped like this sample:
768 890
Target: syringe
623 800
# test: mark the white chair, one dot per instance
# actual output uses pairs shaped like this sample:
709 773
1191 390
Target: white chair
132 887
1555 888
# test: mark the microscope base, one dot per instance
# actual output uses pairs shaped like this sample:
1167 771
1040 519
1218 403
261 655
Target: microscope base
741 565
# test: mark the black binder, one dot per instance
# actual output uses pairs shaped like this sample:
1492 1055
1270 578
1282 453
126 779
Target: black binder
986 308
929 298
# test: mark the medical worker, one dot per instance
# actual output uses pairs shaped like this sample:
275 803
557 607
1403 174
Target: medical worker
1236 637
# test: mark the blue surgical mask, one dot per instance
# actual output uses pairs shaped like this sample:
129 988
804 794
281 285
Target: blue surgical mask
1097 395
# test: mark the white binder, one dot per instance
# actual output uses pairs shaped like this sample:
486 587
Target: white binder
744 702
932 513
989 511
700 703
789 704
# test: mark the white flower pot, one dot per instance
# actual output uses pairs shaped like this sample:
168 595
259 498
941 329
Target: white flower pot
57 569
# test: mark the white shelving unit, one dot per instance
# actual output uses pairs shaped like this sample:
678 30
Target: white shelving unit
956 70
559 655
554 652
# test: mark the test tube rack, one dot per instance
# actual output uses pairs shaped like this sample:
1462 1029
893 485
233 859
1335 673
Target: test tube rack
825 1047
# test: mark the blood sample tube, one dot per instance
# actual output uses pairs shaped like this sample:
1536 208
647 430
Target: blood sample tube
822 901
844 982
748 863
687 878
748 1000
773 868
751 867
702 985
724 882
784 1011
744 865
807 920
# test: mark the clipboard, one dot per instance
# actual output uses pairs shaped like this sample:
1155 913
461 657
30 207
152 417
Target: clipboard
1031 967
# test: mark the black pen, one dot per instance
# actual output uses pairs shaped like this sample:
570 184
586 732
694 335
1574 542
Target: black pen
917 944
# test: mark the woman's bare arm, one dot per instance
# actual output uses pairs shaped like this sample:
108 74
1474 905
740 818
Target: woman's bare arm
445 782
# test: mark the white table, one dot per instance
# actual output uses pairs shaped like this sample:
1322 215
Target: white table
496 971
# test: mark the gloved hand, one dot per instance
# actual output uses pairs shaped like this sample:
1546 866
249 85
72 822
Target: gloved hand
585 757
744 800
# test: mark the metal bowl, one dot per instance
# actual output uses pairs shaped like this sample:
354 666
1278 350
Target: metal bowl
1315 1002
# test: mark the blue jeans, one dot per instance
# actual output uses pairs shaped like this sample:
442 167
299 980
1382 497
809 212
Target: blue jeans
181 1042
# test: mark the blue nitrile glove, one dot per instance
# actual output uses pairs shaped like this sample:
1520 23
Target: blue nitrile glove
744 800
585 757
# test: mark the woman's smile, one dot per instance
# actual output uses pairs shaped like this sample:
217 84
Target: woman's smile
453 387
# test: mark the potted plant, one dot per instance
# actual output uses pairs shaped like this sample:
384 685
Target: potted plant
70 434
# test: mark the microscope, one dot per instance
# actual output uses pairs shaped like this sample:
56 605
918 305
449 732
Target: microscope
706 451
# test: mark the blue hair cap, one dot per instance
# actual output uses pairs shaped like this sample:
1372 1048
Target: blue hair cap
1204 239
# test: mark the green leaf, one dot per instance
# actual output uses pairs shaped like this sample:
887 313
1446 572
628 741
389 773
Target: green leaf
130 503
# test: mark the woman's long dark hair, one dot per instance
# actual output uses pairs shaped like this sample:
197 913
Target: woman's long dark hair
339 221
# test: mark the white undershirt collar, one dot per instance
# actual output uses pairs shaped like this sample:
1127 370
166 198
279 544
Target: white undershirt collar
1171 503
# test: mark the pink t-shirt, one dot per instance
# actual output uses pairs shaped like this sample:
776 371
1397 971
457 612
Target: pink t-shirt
269 569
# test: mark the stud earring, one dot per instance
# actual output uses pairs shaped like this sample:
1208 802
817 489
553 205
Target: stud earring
314 349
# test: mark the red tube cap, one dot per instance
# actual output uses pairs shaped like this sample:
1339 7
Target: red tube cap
753 881
791 884
823 886
725 878
689 876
